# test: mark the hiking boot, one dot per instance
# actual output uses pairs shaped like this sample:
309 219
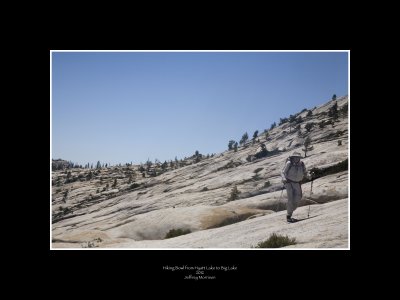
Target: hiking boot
290 219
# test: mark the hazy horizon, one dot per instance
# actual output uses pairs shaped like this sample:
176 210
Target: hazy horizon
132 106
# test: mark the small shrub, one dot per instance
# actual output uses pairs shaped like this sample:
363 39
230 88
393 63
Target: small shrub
204 189
89 245
339 167
134 186
339 142
65 195
339 133
229 165
64 210
299 120
309 126
256 177
277 241
267 184
258 170
176 232
115 183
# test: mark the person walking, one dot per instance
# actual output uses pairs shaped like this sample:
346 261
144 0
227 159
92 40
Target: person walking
292 174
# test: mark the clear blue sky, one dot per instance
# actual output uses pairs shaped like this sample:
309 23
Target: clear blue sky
123 107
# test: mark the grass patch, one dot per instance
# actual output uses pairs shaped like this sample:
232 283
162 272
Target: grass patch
277 241
176 232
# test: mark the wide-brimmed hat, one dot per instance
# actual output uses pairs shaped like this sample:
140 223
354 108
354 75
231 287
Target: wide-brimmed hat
295 154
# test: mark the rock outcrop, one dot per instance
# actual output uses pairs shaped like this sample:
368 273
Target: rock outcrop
90 211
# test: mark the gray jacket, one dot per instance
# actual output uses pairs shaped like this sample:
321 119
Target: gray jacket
294 172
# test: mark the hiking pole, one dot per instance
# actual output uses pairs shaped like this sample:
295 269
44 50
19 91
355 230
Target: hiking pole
309 205
280 197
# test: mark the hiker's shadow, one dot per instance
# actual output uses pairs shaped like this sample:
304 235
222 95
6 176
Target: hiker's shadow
299 220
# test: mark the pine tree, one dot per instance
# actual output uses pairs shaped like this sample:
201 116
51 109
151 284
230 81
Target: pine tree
197 155
283 121
230 144
299 134
273 125
344 110
333 112
115 183
149 164
307 147
255 134
98 165
244 139
65 195
299 120
235 146
234 194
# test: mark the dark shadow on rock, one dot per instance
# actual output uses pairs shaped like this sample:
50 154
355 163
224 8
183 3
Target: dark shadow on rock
299 220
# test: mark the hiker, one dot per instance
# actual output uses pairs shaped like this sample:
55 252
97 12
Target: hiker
293 172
